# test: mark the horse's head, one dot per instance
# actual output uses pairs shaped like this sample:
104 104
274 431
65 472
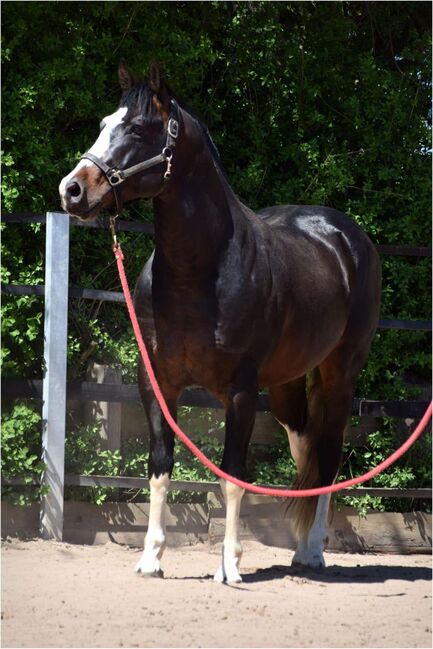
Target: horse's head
131 158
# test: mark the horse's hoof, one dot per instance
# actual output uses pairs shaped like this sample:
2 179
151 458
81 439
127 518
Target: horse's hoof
227 576
313 563
309 559
307 567
219 576
157 574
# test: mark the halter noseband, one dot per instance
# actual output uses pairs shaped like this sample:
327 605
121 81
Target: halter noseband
116 176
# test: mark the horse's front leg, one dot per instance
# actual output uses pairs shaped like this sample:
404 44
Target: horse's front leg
240 416
160 468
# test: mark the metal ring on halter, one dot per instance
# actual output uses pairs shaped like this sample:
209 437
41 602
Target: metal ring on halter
115 177
168 154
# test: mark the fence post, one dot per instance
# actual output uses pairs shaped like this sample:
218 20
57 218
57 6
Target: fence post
54 384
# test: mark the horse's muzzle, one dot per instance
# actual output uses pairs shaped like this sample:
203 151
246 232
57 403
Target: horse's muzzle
81 202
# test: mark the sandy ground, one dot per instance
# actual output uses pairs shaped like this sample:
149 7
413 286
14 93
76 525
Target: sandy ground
60 595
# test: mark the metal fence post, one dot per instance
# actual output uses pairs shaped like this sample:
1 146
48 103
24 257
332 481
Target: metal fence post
54 384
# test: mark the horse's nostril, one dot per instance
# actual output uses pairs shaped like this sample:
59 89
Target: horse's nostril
74 189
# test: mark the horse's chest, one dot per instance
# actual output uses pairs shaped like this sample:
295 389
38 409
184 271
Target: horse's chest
186 344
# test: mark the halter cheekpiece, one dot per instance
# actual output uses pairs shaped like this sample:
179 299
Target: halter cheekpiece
116 176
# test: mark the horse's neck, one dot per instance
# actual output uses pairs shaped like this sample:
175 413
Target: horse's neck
194 221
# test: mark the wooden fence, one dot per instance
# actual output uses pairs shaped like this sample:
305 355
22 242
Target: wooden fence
55 391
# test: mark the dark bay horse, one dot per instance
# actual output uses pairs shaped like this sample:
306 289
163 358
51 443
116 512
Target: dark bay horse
234 301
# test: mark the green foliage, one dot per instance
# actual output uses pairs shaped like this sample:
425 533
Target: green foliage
411 471
84 455
21 452
307 102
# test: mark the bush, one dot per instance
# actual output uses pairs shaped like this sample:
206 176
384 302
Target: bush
307 102
21 452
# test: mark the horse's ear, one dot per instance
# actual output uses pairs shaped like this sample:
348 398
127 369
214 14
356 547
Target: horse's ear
126 79
159 87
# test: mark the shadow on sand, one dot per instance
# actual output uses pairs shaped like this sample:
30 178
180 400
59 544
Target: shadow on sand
341 574
372 574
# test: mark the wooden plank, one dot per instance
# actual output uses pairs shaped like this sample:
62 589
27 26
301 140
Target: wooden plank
407 251
128 522
108 414
19 521
81 293
196 397
388 532
129 482
145 227
96 294
54 382
23 217
397 409
267 520
101 223
261 520
148 228
118 297
23 289
406 325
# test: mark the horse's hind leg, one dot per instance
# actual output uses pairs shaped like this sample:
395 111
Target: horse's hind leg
330 405
240 415
314 418
160 468
290 407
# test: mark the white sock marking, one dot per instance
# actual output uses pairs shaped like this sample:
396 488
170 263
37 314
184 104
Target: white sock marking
310 550
154 544
232 549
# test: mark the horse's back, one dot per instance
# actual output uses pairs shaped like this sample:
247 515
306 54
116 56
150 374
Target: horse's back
326 229
314 221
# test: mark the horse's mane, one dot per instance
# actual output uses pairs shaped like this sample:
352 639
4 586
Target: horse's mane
139 98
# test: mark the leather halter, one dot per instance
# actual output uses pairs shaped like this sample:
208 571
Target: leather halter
116 176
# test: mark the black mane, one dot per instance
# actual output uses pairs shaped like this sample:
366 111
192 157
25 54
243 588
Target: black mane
139 99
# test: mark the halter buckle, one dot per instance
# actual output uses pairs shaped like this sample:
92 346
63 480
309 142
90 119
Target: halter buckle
115 177
173 128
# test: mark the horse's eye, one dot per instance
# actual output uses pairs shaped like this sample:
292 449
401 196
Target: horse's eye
135 129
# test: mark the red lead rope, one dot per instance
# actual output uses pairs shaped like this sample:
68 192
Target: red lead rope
268 491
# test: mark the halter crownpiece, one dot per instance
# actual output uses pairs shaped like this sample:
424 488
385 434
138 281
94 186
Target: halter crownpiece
116 177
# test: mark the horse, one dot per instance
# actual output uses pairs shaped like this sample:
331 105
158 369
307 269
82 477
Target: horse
235 301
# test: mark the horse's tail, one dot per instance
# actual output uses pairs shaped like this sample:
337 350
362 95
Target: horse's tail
303 510
305 447
318 449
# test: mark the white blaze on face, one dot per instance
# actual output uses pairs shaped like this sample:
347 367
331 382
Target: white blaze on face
100 147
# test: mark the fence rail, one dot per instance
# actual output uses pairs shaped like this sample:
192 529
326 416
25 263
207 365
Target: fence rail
203 486
114 296
147 228
54 389
195 397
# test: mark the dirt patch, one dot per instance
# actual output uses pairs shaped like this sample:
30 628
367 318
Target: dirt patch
60 595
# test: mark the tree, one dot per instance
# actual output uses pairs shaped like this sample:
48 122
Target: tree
307 103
